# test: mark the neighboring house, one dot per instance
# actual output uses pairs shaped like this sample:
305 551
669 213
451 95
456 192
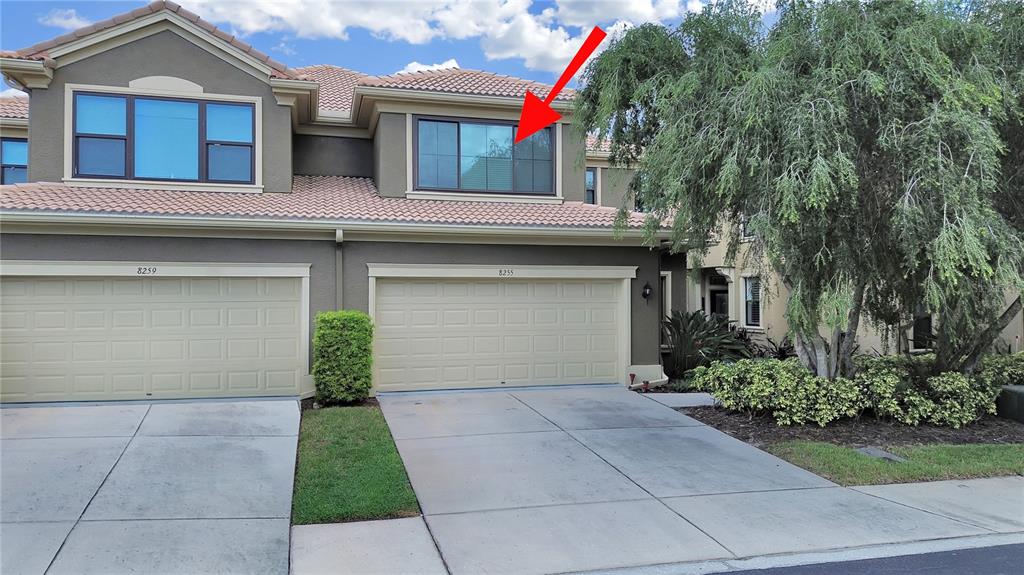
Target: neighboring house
192 204
735 291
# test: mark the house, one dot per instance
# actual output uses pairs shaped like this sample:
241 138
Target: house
189 204
733 289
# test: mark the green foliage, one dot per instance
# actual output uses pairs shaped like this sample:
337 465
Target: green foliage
902 388
696 339
782 349
875 149
342 356
1000 370
895 387
783 389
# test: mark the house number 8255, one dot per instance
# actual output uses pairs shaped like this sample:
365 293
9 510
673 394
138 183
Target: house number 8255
505 272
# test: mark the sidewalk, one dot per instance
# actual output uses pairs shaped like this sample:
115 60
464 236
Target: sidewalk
991 511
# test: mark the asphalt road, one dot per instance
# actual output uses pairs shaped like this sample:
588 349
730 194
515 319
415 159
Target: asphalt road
1002 560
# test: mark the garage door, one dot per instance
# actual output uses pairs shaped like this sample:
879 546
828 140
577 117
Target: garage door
92 338
448 333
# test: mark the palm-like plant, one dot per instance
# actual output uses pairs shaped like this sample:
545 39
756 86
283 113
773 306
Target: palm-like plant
696 340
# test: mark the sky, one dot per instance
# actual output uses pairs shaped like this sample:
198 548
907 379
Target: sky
531 39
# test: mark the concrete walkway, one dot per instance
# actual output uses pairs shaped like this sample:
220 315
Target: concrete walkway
595 478
179 487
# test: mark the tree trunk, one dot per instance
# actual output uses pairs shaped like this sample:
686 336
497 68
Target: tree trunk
849 342
985 339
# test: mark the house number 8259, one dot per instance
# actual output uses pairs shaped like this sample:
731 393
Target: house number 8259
148 271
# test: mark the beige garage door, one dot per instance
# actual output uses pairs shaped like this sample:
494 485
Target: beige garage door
91 338
444 333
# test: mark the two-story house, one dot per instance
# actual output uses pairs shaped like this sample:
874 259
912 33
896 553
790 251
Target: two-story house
187 205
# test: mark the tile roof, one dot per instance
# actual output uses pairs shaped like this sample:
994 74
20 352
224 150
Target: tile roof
336 85
462 81
14 107
330 198
41 50
597 145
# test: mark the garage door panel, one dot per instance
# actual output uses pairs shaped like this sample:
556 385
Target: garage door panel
138 338
466 333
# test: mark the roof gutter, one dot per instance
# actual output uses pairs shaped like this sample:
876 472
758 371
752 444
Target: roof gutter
9 216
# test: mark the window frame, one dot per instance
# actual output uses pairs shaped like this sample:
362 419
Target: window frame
4 165
129 138
458 121
596 171
747 301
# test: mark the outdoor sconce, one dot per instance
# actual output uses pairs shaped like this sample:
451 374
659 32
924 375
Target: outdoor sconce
646 292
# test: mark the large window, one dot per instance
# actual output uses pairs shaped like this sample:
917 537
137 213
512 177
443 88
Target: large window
14 158
752 301
590 186
480 157
149 138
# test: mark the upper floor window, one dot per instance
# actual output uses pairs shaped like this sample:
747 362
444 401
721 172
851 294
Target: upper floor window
590 187
477 156
752 301
151 138
14 158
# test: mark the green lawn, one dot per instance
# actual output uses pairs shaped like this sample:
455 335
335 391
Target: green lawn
349 469
924 463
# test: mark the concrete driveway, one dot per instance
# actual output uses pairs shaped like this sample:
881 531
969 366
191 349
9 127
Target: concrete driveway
597 477
200 487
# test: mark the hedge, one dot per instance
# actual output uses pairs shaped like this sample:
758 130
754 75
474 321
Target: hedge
342 356
901 388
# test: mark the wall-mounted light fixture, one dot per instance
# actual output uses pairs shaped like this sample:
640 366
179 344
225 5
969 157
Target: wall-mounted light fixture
646 292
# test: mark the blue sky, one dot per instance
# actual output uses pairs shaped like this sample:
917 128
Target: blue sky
526 38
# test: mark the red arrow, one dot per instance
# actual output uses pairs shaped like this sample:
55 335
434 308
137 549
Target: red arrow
537 114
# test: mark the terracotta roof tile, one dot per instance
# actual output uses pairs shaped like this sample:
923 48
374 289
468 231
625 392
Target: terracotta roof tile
336 85
14 107
329 198
41 50
596 145
462 81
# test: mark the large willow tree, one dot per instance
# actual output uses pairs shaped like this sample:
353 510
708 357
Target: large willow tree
875 149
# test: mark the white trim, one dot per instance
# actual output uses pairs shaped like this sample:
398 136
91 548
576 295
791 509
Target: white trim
666 297
743 304
163 269
558 160
69 133
162 185
508 271
494 231
409 160
471 197
175 269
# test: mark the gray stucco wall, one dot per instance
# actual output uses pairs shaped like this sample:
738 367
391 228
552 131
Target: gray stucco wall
332 156
614 185
162 54
320 254
389 153
645 315
573 166
676 263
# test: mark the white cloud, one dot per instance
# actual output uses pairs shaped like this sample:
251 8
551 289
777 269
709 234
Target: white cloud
12 93
64 18
417 67
544 38
284 47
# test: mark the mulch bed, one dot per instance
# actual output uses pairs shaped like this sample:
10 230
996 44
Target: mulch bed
761 431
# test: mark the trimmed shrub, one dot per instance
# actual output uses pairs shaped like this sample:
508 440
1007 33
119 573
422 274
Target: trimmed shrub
1000 370
342 356
783 389
901 388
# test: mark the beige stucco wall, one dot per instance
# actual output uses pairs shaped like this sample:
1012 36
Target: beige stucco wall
870 338
162 54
